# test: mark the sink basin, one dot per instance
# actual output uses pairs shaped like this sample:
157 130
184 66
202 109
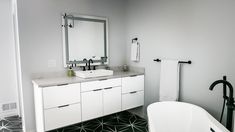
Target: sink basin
94 73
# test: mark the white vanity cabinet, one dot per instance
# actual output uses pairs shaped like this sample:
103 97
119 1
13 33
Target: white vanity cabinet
132 91
100 98
57 106
61 105
66 104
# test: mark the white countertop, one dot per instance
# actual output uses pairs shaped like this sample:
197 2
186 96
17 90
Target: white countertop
54 81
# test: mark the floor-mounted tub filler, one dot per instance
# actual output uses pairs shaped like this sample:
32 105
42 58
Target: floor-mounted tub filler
171 116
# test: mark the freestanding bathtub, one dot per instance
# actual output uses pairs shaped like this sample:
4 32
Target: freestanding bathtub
172 116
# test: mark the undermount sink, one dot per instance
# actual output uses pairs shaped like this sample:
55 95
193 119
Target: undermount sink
94 73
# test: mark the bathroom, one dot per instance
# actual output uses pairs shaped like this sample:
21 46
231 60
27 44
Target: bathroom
196 30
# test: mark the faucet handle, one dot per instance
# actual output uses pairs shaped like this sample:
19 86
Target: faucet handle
85 60
84 68
94 67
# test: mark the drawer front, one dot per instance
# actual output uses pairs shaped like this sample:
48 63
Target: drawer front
61 95
132 83
89 86
64 116
132 100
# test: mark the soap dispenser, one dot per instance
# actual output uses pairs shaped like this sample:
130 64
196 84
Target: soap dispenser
70 72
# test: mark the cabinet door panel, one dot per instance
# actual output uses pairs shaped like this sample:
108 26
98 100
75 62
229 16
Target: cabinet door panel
63 116
92 105
112 100
130 84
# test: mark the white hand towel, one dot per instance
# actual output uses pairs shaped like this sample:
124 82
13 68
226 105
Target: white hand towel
135 52
169 80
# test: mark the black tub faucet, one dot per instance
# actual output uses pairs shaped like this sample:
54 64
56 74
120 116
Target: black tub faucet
89 64
230 100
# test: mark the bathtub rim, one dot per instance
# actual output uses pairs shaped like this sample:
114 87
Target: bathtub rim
210 117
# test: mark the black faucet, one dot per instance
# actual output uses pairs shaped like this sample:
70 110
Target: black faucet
230 100
84 67
89 64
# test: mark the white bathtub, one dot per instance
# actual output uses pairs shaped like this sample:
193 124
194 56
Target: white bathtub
181 117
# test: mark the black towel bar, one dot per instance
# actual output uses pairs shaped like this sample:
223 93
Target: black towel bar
187 62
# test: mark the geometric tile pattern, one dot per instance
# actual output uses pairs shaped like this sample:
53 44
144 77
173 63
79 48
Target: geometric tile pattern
118 122
11 124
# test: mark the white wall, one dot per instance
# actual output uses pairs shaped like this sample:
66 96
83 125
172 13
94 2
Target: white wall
41 37
8 77
198 30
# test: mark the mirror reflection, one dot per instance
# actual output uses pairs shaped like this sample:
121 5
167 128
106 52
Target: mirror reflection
85 37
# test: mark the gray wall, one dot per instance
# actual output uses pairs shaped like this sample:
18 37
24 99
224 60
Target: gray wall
198 30
41 37
8 80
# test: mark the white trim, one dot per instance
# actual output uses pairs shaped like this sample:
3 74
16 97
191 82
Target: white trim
63 39
18 62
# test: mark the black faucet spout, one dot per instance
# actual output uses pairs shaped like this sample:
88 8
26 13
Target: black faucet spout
89 64
223 82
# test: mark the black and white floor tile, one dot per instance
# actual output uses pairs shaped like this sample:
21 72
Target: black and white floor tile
119 122
11 124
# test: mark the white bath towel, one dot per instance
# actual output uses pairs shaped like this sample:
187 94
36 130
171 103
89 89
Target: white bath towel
169 80
135 52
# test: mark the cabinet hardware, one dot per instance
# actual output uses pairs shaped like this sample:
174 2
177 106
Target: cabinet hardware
102 79
108 88
133 92
63 84
97 90
63 106
133 75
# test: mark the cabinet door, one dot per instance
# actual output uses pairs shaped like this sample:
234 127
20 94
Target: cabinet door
92 104
112 100
132 83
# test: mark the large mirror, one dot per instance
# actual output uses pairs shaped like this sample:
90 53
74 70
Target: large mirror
85 37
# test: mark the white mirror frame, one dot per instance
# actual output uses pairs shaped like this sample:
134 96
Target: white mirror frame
80 63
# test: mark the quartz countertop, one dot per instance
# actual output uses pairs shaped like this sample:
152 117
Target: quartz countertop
54 81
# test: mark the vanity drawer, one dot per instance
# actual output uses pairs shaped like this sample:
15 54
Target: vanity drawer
61 95
132 100
132 83
62 116
100 84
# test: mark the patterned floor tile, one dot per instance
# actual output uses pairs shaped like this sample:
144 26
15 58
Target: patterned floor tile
119 122
11 124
